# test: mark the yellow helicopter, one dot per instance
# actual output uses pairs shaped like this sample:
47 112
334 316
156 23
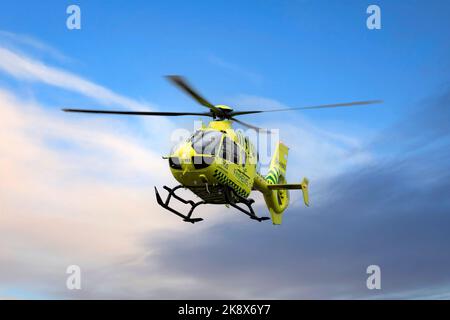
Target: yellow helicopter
219 164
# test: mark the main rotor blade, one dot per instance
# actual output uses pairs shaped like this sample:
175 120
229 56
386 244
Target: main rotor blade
181 83
140 113
258 129
323 106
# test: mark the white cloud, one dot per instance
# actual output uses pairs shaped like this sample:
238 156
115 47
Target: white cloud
98 177
22 67
7 37
60 207
25 68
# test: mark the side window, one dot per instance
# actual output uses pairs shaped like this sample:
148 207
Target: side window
226 149
243 157
230 150
223 152
206 142
236 150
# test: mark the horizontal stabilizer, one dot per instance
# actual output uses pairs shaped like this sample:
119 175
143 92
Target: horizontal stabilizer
293 186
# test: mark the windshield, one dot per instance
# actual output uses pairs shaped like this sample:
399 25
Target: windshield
206 142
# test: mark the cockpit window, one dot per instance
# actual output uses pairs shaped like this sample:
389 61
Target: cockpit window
177 145
206 142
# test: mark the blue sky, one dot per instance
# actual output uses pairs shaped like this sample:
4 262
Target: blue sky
246 54
298 52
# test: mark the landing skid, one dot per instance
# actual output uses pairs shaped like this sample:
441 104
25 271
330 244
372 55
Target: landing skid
165 204
231 198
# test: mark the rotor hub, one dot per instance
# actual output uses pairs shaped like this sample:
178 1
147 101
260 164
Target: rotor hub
225 111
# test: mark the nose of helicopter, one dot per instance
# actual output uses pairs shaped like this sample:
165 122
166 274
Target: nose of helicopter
190 168
185 153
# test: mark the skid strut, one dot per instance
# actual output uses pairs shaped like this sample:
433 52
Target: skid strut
165 204
230 196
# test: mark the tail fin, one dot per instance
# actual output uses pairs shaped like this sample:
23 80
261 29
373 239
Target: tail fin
277 200
278 164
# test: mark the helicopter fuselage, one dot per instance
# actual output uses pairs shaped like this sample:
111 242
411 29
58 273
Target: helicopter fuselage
213 158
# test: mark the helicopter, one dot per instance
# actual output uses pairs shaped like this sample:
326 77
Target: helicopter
220 165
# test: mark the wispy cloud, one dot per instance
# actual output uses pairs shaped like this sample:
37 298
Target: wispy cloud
30 42
25 68
236 69
84 205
